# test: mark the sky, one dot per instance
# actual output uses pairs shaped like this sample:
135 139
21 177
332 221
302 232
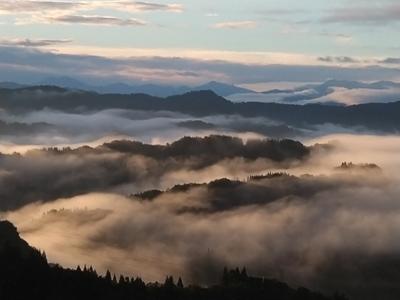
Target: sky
345 34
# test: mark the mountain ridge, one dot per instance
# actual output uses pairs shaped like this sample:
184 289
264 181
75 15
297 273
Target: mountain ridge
158 90
206 103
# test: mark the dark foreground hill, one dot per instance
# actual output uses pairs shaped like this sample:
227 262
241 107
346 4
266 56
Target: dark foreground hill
204 103
26 274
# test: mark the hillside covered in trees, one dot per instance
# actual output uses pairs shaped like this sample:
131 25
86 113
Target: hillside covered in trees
55 172
26 274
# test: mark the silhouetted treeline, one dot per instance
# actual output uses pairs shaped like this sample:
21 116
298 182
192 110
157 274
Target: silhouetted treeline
225 194
25 274
16 128
349 166
215 148
204 103
54 173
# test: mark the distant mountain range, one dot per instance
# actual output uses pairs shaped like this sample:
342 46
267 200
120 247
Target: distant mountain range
302 94
11 85
205 103
221 89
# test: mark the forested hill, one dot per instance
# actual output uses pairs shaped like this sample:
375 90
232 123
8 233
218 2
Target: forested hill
203 103
26 274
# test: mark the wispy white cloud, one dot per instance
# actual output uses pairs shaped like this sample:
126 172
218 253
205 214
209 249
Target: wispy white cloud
24 6
97 20
338 38
236 25
81 12
212 15
141 6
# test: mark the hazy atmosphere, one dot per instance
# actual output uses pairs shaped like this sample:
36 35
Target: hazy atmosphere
143 140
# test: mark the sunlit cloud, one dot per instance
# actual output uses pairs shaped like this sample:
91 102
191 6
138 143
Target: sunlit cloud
42 12
140 6
177 65
97 20
23 6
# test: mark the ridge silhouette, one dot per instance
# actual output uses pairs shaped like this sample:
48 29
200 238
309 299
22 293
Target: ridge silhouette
26 274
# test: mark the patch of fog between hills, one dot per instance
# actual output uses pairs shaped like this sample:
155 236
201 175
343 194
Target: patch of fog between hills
296 241
128 167
61 129
113 172
67 129
359 96
357 148
341 96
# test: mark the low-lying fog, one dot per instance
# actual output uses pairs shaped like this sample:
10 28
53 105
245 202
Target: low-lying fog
123 191
317 230
338 96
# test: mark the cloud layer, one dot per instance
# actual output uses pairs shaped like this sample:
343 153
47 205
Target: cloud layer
131 166
97 20
378 13
305 240
81 12
28 64
235 25
304 229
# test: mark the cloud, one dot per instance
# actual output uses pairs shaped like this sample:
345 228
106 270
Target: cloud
30 65
134 165
373 14
97 20
81 12
147 6
236 25
348 59
212 15
359 96
390 60
316 230
33 42
339 59
300 238
338 38
22 6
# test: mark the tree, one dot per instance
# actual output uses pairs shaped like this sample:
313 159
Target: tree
225 276
121 279
169 282
108 276
180 283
